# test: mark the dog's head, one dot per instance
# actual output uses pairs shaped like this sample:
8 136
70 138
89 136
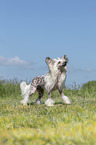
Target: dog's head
57 64
62 62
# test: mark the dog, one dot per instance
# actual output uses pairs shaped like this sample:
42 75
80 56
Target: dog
54 79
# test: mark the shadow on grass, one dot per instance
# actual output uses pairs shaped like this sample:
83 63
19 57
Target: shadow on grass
55 104
32 103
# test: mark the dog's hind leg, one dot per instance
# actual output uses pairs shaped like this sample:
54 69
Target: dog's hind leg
65 99
27 94
25 91
26 99
41 93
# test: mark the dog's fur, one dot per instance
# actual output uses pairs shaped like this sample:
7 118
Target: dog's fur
51 81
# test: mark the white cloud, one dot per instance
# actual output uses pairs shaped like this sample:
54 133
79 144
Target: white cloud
14 61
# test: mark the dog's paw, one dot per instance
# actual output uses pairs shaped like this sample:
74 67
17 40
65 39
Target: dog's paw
66 100
38 101
49 102
23 102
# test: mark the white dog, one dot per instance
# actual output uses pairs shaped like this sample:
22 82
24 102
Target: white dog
54 79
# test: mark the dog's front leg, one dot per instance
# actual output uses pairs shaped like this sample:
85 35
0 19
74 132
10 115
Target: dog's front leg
49 101
65 99
49 95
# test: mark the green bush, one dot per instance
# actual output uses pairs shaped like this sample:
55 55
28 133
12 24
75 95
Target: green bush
8 88
89 87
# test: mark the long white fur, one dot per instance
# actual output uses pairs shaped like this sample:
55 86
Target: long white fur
65 100
49 102
25 91
51 79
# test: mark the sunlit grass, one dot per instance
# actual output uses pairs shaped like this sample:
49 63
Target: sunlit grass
41 125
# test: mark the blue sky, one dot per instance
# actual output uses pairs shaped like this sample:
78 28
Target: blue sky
31 30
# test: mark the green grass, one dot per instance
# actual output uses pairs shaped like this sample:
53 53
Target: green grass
61 124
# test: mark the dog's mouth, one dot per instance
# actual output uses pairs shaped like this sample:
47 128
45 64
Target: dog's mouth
64 64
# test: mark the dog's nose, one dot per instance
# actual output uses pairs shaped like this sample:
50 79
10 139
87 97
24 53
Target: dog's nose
65 63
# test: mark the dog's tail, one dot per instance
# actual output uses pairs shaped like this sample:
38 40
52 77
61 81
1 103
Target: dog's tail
25 89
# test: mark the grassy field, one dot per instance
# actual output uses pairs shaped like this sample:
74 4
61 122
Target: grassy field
61 124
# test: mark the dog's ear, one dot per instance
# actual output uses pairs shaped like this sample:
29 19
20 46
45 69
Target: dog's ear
48 60
66 58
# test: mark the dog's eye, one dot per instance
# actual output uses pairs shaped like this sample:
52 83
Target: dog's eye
59 62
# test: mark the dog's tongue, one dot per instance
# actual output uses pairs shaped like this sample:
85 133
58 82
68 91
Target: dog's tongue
65 67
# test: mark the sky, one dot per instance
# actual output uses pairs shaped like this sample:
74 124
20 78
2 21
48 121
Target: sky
31 30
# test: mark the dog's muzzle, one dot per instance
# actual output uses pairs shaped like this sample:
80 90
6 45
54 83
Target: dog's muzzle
64 64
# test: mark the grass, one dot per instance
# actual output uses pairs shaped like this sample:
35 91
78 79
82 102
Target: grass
61 124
